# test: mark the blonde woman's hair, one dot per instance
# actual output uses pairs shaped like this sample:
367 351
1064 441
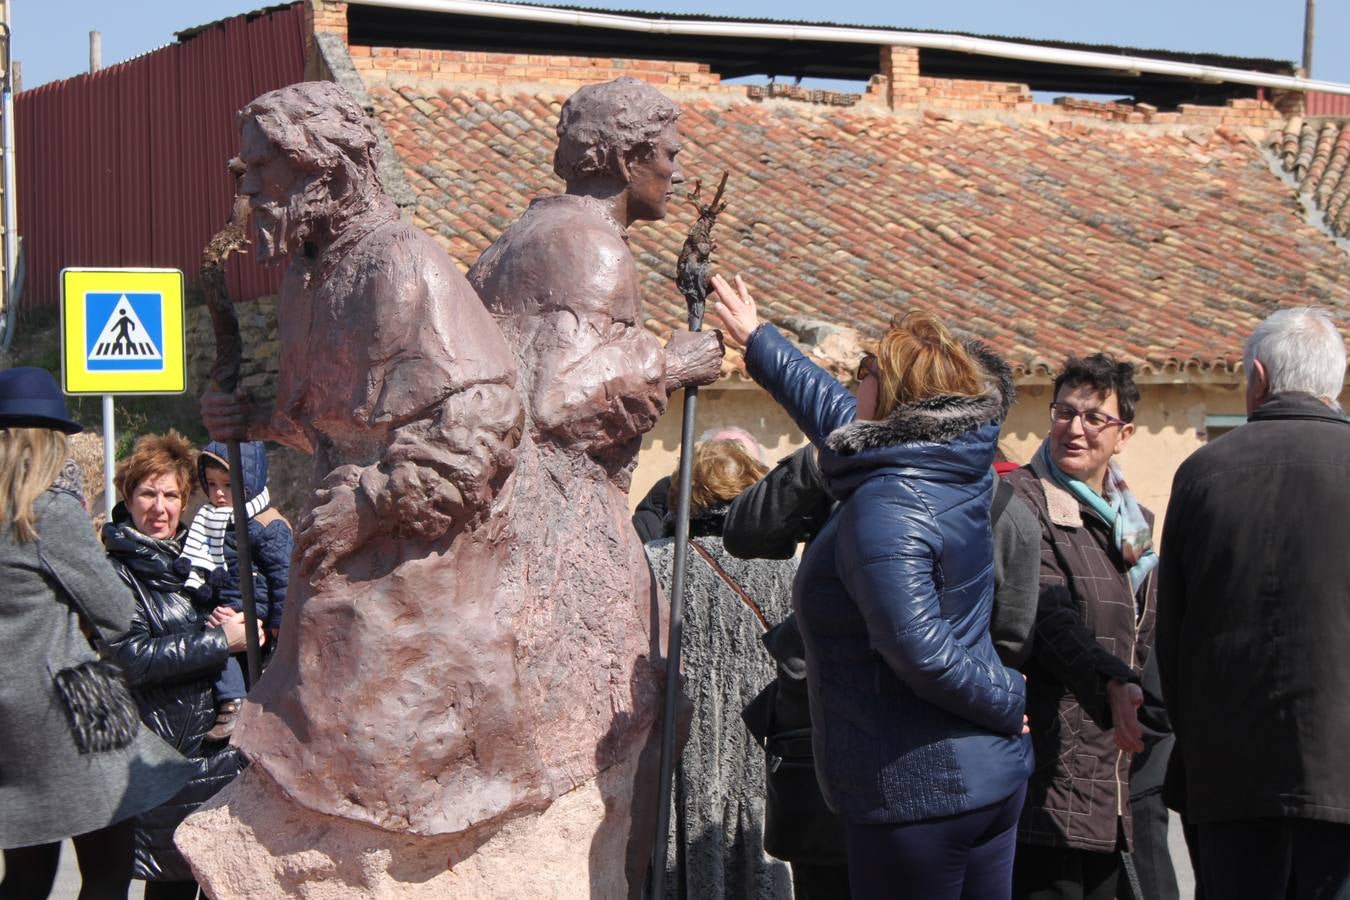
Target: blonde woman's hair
155 455
30 460
919 358
722 469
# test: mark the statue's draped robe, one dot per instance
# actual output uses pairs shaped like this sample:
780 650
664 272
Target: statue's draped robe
393 698
445 685
563 286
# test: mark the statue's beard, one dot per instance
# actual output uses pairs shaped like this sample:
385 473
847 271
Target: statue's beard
285 227
272 223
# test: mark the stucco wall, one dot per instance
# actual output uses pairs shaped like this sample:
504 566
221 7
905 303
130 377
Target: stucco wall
1170 425
1170 421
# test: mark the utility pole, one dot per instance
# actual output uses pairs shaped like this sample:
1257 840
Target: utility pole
96 50
9 235
1308 38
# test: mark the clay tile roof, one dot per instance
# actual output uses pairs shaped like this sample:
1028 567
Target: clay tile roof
1163 247
1317 155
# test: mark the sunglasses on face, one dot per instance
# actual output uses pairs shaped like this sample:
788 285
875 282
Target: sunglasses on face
1094 420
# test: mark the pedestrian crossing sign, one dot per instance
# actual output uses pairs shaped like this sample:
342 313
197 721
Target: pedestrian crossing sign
122 331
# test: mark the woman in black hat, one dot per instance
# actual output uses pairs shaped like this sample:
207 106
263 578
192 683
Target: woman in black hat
74 761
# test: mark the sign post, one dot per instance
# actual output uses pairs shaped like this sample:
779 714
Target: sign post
121 333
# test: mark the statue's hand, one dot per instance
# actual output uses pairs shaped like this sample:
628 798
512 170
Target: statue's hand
693 358
226 416
340 522
425 505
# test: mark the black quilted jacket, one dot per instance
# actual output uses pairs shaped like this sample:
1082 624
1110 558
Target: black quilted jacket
170 659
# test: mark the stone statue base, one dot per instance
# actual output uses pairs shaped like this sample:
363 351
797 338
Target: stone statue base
252 841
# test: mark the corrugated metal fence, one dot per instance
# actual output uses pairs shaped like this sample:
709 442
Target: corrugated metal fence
126 167
1316 104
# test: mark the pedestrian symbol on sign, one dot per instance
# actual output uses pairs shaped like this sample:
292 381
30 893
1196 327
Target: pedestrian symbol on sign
131 335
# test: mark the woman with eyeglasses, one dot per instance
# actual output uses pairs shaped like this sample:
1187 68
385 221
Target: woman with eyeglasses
918 729
1093 634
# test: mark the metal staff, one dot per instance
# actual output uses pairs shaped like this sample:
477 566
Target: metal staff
225 375
691 277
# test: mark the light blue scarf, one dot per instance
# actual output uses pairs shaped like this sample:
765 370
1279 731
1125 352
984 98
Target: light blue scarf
1118 508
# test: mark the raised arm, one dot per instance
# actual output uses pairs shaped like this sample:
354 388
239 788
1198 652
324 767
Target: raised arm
811 396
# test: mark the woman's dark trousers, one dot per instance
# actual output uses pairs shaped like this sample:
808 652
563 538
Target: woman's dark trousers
963 857
104 857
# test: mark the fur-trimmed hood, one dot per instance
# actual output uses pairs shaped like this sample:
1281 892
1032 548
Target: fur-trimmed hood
937 419
948 439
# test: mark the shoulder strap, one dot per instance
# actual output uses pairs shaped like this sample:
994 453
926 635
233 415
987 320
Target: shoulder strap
731 583
1002 494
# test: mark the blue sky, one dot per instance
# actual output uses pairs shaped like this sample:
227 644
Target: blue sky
51 38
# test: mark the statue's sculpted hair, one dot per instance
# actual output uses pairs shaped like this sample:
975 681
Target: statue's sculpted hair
319 127
602 122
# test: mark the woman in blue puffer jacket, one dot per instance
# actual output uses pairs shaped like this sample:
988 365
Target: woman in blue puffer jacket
919 730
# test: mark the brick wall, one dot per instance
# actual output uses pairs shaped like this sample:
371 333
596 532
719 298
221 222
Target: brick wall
322 16
1235 113
329 16
904 88
386 64
898 85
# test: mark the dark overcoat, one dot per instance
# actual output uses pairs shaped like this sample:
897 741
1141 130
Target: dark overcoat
1254 619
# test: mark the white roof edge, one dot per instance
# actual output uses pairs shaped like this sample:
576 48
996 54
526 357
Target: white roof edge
927 40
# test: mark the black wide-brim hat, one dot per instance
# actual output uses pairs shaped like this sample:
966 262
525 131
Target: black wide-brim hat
31 398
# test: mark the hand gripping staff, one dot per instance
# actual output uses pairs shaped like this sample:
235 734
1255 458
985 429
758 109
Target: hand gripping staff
691 277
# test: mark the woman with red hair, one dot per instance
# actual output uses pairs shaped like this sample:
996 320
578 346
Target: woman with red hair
918 728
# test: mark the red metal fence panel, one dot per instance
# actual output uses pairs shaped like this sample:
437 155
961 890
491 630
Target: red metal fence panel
1316 104
126 167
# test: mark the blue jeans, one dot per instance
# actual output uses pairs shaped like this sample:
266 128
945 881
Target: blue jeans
229 683
963 857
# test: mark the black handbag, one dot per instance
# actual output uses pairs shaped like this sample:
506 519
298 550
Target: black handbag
99 706
102 713
798 826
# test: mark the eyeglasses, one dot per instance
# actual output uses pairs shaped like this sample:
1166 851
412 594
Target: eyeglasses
867 366
1094 420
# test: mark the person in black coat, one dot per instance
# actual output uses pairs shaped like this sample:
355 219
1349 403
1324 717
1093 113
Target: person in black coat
169 655
1254 626
767 520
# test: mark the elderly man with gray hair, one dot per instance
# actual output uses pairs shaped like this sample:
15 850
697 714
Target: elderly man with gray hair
1253 641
